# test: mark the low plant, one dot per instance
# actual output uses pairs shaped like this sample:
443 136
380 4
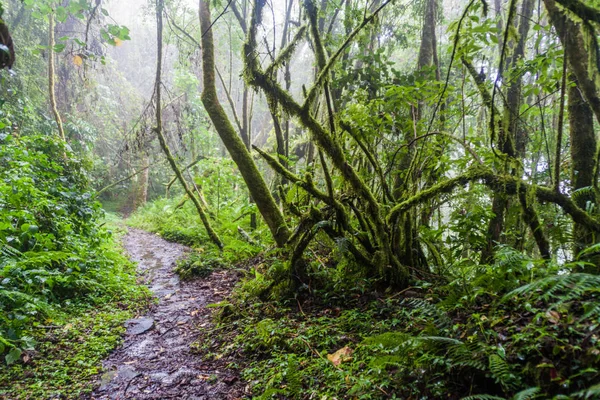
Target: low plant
55 255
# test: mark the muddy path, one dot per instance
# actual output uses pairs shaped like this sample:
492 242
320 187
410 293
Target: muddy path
155 360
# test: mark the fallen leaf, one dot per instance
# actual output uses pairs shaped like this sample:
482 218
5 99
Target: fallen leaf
342 355
553 317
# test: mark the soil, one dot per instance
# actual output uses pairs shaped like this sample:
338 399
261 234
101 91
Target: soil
155 360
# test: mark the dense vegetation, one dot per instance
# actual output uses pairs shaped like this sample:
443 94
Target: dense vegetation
411 187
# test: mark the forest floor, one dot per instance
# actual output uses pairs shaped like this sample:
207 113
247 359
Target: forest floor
156 360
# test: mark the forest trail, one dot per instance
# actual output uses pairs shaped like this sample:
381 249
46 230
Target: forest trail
155 360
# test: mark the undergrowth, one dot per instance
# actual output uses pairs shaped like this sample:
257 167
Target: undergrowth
65 287
536 336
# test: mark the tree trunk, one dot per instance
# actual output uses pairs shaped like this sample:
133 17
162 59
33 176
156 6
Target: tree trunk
236 147
141 192
52 78
583 145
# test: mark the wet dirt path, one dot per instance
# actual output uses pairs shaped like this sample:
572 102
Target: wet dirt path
155 360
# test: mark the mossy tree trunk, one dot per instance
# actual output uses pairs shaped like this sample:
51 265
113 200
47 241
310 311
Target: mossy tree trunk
234 144
583 145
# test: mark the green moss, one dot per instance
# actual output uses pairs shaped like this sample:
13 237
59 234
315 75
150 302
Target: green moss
68 357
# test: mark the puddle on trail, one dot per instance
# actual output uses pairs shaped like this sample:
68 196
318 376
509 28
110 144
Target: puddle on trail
155 361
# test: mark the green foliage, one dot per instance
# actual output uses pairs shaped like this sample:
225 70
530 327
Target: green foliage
198 265
177 220
69 352
53 251
514 339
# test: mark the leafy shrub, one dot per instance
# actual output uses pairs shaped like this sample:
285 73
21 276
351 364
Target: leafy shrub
53 251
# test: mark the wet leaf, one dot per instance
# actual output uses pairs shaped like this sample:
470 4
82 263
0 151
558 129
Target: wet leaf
342 355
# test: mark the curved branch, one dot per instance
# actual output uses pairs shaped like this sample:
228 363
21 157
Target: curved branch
501 183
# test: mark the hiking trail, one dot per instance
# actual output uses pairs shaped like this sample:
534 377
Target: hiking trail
155 360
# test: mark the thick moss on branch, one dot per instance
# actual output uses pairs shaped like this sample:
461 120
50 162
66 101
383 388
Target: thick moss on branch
582 55
582 10
531 218
500 183
286 173
286 54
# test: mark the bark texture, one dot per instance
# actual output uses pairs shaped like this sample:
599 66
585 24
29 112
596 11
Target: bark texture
583 145
234 144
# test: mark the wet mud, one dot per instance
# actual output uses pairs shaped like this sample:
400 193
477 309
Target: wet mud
155 360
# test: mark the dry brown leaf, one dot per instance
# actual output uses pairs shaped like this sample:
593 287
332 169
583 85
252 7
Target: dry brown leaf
342 355
553 317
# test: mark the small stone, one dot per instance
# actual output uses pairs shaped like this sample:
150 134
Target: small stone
138 326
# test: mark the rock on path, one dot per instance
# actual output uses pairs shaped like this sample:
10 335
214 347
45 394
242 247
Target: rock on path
155 361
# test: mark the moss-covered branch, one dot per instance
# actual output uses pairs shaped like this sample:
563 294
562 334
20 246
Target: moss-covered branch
582 10
531 218
583 52
500 183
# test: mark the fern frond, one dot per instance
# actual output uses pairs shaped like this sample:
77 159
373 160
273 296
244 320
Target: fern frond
382 362
440 318
468 355
527 394
567 286
501 372
595 248
389 340
483 397
509 258
441 339
592 392
9 251
585 193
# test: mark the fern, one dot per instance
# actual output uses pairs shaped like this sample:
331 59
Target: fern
561 287
293 377
9 251
592 392
383 362
593 249
509 258
389 340
583 193
483 397
468 355
527 394
424 307
501 372
592 310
